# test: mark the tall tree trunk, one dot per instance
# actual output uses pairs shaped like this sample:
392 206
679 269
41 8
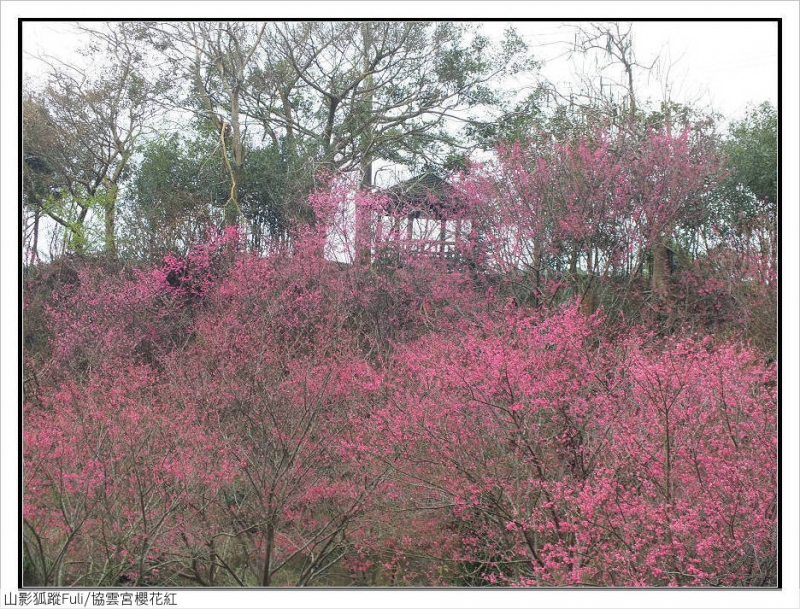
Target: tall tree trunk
110 209
270 540
75 235
658 277
35 244
364 217
588 297
232 207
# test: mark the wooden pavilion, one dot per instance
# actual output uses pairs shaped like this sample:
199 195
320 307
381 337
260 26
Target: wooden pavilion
422 215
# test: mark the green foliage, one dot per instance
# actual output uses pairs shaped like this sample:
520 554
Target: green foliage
749 192
179 187
38 180
752 151
80 215
525 118
268 194
172 195
175 177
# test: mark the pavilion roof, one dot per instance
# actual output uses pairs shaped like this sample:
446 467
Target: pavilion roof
424 195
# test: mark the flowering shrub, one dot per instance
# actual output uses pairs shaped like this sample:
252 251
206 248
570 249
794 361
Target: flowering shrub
317 416
588 462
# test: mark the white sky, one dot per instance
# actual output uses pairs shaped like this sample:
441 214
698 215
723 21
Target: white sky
726 64
720 65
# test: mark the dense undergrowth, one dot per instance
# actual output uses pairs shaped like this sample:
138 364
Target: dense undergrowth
564 415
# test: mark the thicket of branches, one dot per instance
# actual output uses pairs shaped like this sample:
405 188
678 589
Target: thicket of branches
246 365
